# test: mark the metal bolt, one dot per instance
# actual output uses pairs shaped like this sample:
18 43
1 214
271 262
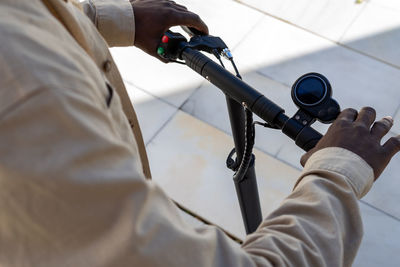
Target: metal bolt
207 78
305 122
297 117
244 104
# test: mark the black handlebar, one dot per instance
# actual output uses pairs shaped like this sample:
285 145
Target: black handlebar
304 136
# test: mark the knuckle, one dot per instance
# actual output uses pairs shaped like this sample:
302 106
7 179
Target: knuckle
169 13
349 110
341 122
382 124
395 142
359 127
369 110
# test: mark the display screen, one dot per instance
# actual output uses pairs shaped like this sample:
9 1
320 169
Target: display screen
310 90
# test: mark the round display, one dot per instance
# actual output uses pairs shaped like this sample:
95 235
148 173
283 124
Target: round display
310 90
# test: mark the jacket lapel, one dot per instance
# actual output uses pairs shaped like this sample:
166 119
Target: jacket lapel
59 10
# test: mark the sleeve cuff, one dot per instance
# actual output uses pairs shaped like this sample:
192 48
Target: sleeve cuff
357 171
115 21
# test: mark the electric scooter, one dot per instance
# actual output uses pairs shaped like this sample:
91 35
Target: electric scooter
312 94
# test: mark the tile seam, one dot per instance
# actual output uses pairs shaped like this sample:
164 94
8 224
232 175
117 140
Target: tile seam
380 210
321 36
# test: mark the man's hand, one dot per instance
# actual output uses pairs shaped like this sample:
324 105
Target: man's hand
353 131
154 17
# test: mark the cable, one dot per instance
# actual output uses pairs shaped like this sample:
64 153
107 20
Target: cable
235 68
248 147
266 125
222 63
216 54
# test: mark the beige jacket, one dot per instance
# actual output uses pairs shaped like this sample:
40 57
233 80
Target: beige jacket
72 187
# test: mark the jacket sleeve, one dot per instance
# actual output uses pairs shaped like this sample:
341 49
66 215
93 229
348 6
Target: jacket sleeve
114 20
72 194
319 224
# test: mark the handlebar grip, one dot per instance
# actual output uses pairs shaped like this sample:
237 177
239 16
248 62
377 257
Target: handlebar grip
307 138
194 60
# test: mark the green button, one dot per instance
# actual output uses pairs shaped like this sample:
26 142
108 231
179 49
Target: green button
161 51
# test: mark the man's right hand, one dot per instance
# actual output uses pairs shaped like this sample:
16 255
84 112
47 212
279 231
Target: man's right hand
359 133
154 17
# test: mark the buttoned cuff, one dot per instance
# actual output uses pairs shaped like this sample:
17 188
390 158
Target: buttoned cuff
356 171
115 21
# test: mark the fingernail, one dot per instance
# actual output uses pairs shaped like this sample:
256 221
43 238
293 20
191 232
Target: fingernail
389 118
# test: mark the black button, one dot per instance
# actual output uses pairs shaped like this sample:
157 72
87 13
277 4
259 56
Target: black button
333 111
322 113
107 65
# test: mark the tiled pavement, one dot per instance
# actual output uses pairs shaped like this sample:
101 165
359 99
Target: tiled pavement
184 119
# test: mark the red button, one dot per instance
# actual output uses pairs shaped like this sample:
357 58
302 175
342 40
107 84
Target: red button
165 39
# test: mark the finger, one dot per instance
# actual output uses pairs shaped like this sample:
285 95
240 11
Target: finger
382 127
348 114
162 59
188 19
179 8
366 117
392 146
173 3
174 6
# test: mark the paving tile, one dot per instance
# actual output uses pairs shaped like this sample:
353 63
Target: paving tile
381 244
376 32
396 126
357 80
225 18
392 4
209 105
152 113
329 18
188 161
172 82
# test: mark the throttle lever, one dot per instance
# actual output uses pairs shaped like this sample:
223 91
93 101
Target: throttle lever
172 44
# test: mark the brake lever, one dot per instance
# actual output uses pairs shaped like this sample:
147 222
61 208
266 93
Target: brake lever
192 31
207 43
